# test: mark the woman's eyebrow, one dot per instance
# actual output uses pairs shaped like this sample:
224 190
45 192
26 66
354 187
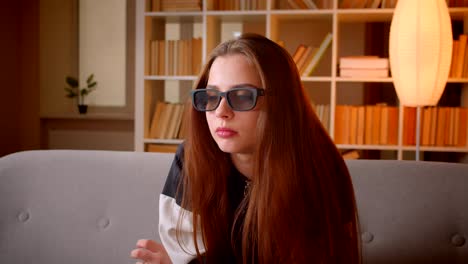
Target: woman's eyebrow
244 85
240 85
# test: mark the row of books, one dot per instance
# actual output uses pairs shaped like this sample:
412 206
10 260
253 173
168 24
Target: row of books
196 5
361 125
323 113
309 4
378 125
369 124
363 66
168 121
457 3
367 3
459 66
307 57
440 126
241 5
175 57
175 5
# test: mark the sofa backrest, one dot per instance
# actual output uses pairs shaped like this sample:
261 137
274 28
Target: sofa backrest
76 207
412 212
62 206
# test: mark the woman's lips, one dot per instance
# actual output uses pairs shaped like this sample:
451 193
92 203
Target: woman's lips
223 132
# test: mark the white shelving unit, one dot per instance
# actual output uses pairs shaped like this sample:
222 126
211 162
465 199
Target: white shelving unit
291 26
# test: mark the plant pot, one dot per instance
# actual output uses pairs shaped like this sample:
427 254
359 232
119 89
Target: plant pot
83 109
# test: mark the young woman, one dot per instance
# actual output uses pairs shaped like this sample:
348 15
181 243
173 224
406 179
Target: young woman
258 179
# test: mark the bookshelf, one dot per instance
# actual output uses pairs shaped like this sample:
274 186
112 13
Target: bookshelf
278 21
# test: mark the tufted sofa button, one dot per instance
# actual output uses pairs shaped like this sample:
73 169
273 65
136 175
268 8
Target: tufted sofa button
23 216
103 223
458 240
367 237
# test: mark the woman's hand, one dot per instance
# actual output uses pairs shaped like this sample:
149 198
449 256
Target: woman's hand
150 252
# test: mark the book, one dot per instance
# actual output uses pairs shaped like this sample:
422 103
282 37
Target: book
294 5
165 148
346 4
376 114
197 55
409 126
462 128
433 129
373 4
164 124
456 45
183 123
392 125
460 56
299 52
353 121
364 73
180 114
306 58
301 59
162 57
361 125
359 3
350 154
172 125
383 137
155 122
364 62
449 139
300 3
368 124
341 125
441 126
310 4
318 55
170 57
426 126
326 117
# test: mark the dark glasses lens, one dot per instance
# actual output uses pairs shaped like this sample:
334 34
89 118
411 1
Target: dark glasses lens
239 99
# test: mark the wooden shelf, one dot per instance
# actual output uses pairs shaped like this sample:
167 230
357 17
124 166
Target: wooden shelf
170 78
370 147
163 141
292 26
365 15
377 80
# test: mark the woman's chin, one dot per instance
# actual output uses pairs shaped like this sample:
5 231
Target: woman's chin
228 148
233 147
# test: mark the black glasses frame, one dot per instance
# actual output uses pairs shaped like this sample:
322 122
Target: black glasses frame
256 92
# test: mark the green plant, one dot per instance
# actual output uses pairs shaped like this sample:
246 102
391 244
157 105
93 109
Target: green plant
73 89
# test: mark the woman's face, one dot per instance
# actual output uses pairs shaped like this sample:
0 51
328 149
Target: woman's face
233 131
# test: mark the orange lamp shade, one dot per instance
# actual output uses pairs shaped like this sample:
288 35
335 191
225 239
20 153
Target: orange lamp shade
420 50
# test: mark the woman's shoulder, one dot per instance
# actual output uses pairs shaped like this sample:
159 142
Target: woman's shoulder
174 176
179 156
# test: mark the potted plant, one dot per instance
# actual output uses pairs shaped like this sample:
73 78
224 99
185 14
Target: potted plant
73 90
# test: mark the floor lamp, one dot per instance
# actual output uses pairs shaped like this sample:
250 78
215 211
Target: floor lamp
420 52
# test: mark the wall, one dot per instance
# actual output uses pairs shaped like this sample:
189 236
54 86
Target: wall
19 104
102 49
59 49
58 53
58 58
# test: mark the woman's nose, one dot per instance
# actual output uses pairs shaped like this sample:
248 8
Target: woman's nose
223 110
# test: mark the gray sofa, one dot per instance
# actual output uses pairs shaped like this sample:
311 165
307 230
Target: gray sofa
91 206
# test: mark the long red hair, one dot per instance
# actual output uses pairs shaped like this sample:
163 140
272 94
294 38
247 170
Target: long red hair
301 206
